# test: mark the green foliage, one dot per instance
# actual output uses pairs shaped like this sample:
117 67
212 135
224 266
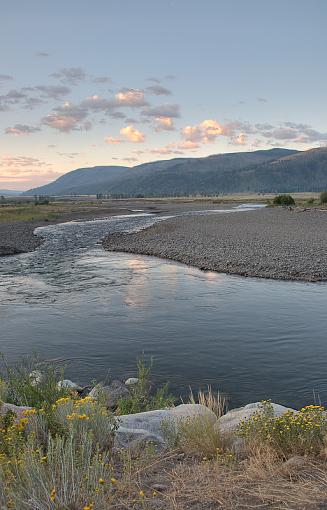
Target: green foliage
140 398
310 201
323 197
26 385
300 432
70 474
283 200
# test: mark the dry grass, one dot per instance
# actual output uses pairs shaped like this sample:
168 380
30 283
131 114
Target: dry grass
259 482
216 402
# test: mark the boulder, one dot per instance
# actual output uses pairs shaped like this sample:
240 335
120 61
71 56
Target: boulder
191 411
18 410
153 425
136 439
230 421
68 384
295 464
131 381
111 393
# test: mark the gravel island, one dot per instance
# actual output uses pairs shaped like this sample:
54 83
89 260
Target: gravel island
268 243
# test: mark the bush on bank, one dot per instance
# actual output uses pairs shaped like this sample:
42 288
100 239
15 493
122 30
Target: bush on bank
283 200
323 197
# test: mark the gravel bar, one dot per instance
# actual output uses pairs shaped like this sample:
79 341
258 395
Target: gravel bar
268 243
17 237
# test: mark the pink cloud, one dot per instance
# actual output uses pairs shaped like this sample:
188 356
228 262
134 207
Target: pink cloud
110 140
132 134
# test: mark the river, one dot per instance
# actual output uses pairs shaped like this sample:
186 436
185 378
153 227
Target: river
96 312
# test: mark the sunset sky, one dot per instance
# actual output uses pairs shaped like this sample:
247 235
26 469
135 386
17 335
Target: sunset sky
123 82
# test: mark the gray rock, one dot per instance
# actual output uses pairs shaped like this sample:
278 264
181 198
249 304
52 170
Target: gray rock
111 393
131 381
295 463
229 423
152 425
136 439
191 411
18 410
67 383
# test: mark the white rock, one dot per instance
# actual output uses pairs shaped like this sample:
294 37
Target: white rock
67 383
231 420
191 411
151 425
131 381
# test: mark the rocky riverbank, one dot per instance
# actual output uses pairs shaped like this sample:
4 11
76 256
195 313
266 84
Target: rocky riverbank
268 243
18 236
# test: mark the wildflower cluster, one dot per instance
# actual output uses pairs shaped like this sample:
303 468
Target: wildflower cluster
12 436
292 432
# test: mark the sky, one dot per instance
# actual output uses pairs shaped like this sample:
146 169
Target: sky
104 82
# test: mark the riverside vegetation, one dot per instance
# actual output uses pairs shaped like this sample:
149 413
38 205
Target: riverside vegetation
59 452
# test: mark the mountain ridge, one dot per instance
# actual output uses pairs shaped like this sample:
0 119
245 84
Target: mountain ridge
272 170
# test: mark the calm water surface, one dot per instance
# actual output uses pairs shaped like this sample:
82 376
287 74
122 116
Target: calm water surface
97 311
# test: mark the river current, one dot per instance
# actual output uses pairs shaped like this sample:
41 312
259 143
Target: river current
96 312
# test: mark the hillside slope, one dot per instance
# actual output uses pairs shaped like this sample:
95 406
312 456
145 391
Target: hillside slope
275 170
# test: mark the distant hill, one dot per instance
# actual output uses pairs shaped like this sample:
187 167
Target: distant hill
274 170
9 192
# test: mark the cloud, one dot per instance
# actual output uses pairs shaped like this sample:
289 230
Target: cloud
69 155
16 170
164 110
291 131
112 141
68 117
52 91
132 134
70 75
166 151
5 77
96 103
133 98
262 100
12 97
21 130
101 79
117 115
164 124
158 90
205 132
153 79
42 54
241 139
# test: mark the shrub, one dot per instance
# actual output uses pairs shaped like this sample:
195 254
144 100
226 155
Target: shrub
293 432
323 197
70 475
310 201
140 398
200 436
283 200
22 388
